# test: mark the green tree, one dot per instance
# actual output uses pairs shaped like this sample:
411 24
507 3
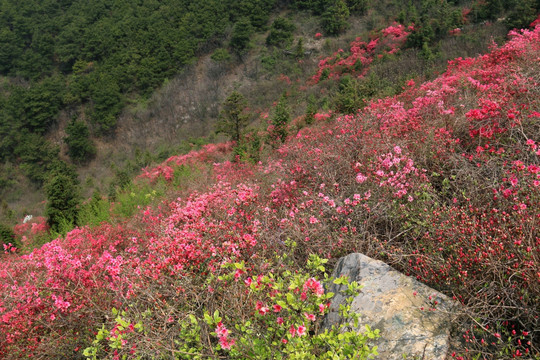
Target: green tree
523 14
280 120
311 109
10 49
281 32
233 117
349 97
299 49
36 155
241 34
334 20
80 146
7 235
358 7
41 104
107 101
62 200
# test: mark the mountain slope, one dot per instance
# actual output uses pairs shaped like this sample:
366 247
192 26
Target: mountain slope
442 181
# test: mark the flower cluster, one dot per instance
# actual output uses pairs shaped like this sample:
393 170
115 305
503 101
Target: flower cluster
361 54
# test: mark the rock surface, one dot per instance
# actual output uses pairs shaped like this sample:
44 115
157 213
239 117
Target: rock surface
393 303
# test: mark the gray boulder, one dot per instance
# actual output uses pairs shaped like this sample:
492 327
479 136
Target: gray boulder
414 320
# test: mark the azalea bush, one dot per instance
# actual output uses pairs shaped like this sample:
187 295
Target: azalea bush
284 312
361 54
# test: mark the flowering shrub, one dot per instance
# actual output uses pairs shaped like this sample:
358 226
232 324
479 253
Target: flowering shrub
208 154
31 232
286 317
286 312
361 54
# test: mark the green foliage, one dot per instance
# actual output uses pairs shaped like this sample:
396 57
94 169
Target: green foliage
427 53
358 7
63 199
182 174
7 236
134 197
335 18
36 156
434 23
349 97
107 101
80 146
233 117
318 7
486 10
293 336
95 211
241 34
249 147
299 49
311 109
524 13
280 120
221 55
41 104
423 35
115 338
257 11
281 33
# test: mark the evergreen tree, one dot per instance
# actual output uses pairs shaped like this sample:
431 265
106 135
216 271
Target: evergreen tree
282 117
80 146
299 49
241 34
233 118
107 102
493 9
281 32
523 14
311 109
358 7
63 199
349 97
334 20
7 236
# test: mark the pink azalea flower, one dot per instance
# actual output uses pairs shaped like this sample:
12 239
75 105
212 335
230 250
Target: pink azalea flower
292 330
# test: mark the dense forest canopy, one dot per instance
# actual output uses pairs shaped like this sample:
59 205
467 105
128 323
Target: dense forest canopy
89 58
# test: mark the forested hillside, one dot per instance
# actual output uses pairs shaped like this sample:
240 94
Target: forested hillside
91 59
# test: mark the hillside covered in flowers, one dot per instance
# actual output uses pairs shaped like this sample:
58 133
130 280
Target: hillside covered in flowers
442 181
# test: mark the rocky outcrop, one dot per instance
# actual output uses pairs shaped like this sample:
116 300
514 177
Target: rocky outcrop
414 320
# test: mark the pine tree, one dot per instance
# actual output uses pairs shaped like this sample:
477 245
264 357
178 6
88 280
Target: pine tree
233 118
334 20
80 146
241 34
7 236
63 198
282 117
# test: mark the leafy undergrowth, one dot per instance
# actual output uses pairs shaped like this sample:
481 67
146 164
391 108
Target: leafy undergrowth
441 181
